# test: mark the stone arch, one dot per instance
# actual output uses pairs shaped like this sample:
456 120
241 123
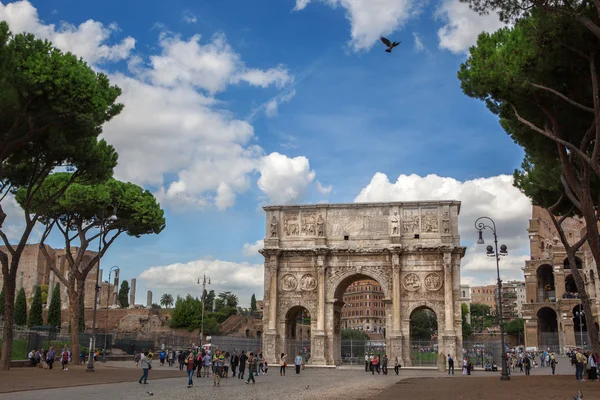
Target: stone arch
337 285
310 307
435 307
578 262
546 290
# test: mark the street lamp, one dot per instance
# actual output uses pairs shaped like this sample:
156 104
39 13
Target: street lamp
205 280
493 252
581 316
116 269
112 218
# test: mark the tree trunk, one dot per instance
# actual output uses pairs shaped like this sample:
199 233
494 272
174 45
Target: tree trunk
74 304
9 311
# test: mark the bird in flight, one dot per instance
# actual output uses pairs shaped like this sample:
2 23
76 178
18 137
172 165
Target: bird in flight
390 45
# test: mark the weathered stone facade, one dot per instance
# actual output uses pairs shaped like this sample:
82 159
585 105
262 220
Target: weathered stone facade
550 293
314 252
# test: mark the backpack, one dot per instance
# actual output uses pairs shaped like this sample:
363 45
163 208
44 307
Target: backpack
574 358
65 356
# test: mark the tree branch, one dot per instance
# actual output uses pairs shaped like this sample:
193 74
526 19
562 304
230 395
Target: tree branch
562 96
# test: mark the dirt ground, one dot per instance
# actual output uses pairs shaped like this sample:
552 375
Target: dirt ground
19 379
558 387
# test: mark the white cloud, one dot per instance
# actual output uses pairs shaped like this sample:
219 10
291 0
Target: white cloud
463 25
189 17
243 279
284 180
173 134
324 190
494 197
272 106
419 46
370 19
251 249
86 40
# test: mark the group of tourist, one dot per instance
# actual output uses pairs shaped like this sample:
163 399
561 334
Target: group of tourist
46 358
376 363
217 365
584 362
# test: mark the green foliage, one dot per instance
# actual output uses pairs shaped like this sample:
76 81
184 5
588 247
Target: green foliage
515 327
155 306
423 324
466 327
21 308
44 293
253 303
209 297
166 300
188 314
124 294
35 312
211 326
54 312
348 334
81 319
227 299
2 302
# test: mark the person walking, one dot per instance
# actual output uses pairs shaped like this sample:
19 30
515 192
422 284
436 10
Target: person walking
252 363
146 365
190 364
206 365
384 364
282 364
367 362
65 358
226 364
527 365
50 357
375 364
592 364
450 364
298 362
218 362
235 360
396 365
243 359
553 363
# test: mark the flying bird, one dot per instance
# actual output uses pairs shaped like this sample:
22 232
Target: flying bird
389 44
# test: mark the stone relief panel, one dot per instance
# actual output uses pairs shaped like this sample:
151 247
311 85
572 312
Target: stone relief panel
429 220
395 224
309 222
446 223
433 282
411 282
308 282
320 226
289 282
358 222
291 225
410 221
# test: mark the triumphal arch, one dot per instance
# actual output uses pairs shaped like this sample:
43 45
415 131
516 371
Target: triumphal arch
314 252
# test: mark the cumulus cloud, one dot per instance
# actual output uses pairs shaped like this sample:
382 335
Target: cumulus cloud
463 25
283 179
243 279
324 190
370 19
495 197
251 249
87 40
174 133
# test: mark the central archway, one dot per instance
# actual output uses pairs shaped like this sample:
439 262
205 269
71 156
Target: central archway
423 336
547 329
298 323
361 308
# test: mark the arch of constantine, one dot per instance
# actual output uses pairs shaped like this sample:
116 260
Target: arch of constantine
314 252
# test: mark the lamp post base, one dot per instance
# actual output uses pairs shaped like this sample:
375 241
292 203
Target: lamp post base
505 377
90 368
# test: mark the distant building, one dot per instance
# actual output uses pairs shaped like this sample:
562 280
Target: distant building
485 295
513 297
364 308
465 298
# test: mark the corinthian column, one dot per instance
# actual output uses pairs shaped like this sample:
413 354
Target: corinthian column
273 266
449 303
321 279
396 317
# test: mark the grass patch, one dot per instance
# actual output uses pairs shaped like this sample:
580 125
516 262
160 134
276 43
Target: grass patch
19 350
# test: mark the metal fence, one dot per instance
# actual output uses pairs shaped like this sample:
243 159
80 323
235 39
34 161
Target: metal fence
237 344
549 341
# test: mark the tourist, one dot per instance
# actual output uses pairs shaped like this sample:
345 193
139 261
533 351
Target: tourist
181 358
50 357
136 358
198 359
266 367
243 358
465 366
375 364
384 364
190 364
146 365
367 362
252 362
298 362
218 362
592 364
397 366
580 365
226 363
162 355
235 360
32 359
371 362
206 365
65 358
261 361
450 364
527 365
553 363
282 364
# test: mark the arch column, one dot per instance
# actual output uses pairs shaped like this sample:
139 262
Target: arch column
270 336
318 338
449 335
394 340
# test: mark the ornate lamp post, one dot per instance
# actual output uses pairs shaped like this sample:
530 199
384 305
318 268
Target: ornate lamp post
205 280
112 218
480 225
580 315
116 269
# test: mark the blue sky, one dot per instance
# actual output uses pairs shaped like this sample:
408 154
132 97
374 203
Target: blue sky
233 105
